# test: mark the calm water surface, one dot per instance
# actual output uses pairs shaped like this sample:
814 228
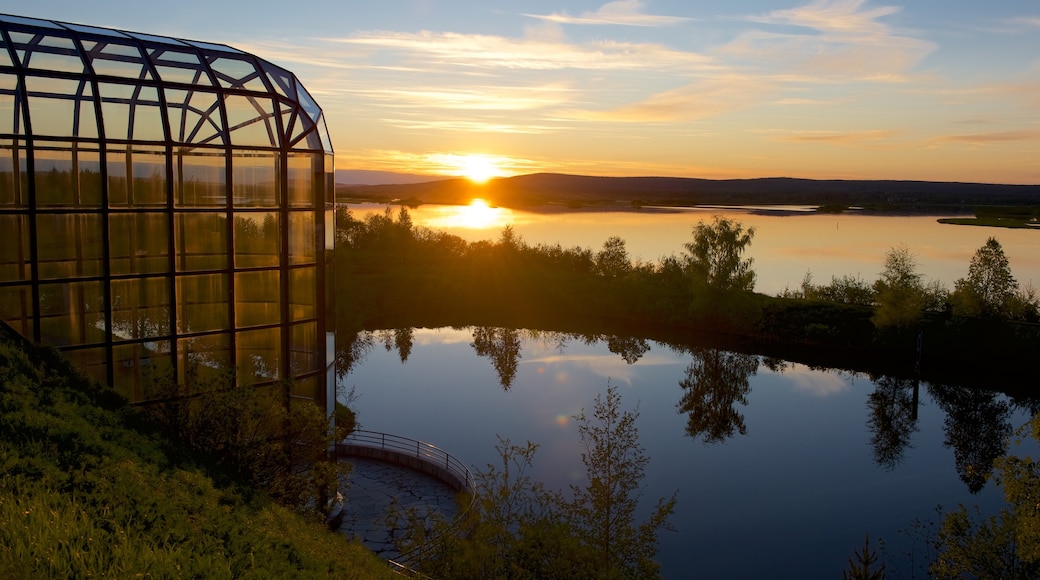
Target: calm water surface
812 472
798 490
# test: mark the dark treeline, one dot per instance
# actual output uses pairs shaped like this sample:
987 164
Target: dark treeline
393 274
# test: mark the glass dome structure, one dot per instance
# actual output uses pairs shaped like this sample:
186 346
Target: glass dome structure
166 206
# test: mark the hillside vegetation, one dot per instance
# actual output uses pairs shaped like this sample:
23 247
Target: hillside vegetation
89 489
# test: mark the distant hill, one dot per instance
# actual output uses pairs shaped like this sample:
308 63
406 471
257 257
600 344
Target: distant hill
364 177
575 191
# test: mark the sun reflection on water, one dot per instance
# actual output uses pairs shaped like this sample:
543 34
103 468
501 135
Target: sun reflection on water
478 215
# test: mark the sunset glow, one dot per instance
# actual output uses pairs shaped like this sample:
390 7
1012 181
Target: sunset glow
829 89
479 168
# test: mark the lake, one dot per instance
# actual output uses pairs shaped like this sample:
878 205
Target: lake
825 456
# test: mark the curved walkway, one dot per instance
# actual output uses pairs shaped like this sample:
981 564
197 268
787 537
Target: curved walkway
391 477
374 486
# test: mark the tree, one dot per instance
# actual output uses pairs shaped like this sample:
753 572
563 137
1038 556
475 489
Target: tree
989 289
516 529
714 256
602 514
1005 545
859 569
899 293
613 261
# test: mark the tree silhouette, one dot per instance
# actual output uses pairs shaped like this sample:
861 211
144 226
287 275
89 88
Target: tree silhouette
714 255
892 419
502 346
716 380
989 289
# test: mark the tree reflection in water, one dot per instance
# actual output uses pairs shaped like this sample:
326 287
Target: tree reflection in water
630 348
977 428
502 346
716 380
351 350
892 419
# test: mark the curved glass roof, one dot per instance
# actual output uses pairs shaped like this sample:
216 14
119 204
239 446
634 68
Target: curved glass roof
110 85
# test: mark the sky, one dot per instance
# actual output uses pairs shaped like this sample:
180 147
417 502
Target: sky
944 90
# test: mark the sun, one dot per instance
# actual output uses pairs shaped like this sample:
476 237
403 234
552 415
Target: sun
478 168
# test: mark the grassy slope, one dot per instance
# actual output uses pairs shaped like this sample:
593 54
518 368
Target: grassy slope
85 490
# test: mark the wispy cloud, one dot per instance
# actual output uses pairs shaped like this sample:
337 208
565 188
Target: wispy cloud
850 138
992 137
619 13
498 52
844 17
847 41
708 97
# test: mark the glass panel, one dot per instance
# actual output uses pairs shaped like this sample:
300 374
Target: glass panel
202 303
15 257
131 112
68 177
257 240
323 132
199 178
144 185
141 371
257 298
235 73
303 247
119 60
50 53
308 388
201 241
139 243
194 117
69 245
211 46
61 107
312 109
202 359
92 361
94 30
153 38
330 182
303 293
72 313
304 179
13 190
251 121
10 121
300 127
16 309
140 308
330 232
281 79
255 179
258 353
304 352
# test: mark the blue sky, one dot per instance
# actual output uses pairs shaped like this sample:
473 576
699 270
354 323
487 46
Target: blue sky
808 88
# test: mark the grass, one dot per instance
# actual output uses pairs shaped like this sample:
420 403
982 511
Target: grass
87 489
